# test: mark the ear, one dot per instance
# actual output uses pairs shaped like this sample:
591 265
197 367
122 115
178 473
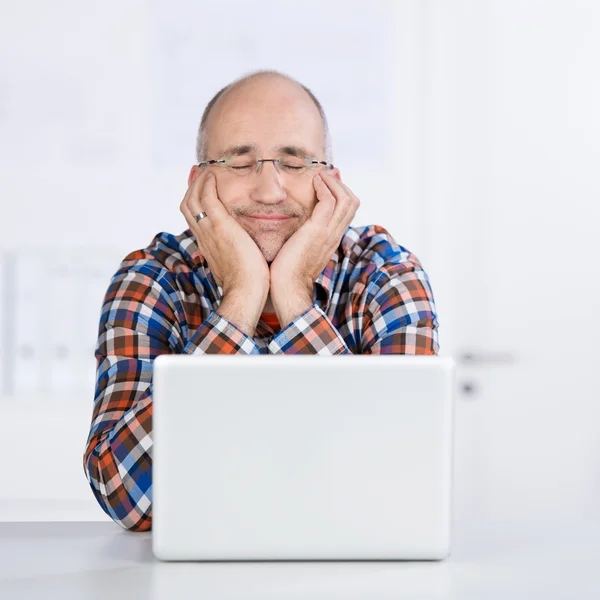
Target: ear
335 172
194 172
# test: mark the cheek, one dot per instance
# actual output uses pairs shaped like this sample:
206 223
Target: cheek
307 199
230 194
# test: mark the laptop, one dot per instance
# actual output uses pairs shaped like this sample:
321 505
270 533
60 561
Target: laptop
302 457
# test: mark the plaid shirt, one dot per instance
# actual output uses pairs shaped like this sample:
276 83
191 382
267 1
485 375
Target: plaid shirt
373 297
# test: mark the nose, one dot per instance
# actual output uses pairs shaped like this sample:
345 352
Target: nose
267 185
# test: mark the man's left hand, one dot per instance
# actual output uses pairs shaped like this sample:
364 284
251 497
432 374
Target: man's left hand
307 252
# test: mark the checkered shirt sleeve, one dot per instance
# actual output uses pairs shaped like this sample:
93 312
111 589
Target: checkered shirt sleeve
397 317
137 325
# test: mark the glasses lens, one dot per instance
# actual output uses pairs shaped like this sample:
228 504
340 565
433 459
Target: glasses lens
242 165
293 165
288 166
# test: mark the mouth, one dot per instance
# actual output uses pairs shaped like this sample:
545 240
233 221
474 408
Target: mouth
278 218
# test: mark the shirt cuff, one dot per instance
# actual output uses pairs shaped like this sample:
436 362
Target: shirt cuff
217 335
310 333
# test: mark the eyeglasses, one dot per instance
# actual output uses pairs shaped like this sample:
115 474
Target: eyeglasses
246 166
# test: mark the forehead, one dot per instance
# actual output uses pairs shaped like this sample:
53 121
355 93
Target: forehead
249 148
266 118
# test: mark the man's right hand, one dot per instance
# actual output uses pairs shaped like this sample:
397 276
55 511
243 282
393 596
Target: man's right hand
236 262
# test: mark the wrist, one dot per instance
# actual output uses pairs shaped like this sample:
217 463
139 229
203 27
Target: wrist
242 307
257 287
296 302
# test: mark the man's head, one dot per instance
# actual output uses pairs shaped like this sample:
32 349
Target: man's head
268 111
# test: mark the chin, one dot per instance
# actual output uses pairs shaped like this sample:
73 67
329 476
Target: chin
269 244
270 251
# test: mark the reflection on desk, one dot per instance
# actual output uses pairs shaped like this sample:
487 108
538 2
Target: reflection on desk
100 560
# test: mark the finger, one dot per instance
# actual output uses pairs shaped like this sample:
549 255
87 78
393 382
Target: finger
203 234
349 191
325 206
188 207
196 184
346 202
192 198
189 217
354 204
194 225
213 207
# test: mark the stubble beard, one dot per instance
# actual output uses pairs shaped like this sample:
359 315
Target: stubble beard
270 242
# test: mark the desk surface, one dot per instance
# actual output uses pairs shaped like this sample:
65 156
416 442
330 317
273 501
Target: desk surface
100 560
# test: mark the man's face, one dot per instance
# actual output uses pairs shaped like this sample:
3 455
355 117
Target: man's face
266 115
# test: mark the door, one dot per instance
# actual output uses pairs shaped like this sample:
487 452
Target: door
513 203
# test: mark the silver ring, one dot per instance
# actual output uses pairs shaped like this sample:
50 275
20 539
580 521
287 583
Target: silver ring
199 216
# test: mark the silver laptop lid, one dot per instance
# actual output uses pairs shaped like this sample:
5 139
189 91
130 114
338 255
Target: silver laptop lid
302 457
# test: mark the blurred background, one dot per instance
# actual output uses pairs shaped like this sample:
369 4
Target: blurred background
469 129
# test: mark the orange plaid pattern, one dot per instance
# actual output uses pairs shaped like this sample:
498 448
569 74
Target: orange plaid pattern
373 297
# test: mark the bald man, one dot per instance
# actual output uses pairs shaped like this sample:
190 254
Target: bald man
268 265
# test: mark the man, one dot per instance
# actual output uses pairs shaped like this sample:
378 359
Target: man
268 265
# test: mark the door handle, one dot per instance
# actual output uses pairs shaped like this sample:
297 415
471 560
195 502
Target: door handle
479 357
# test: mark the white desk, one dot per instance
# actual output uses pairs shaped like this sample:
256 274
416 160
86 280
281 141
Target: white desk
100 560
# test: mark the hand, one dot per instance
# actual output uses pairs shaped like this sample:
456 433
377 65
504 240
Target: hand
236 262
307 252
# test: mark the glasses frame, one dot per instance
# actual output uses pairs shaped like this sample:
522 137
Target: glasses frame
309 161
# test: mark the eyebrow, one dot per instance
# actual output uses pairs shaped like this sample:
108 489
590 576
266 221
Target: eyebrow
240 149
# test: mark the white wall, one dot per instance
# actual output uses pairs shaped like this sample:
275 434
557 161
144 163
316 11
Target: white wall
512 143
99 104
99 112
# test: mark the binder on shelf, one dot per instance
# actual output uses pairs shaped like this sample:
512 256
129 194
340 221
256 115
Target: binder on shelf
30 327
64 305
